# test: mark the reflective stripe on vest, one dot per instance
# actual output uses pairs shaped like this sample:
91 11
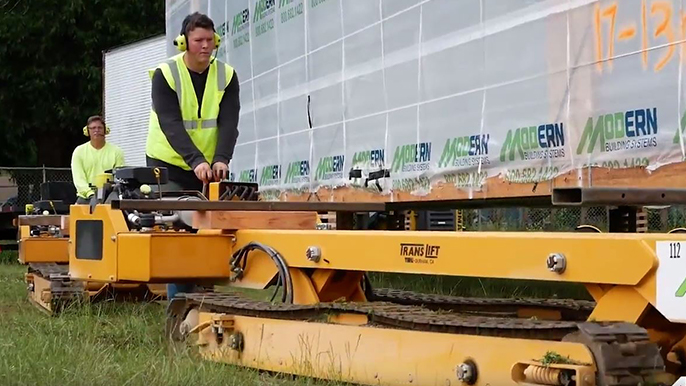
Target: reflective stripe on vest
221 77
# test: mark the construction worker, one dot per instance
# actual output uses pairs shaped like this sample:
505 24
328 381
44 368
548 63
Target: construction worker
193 124
93 158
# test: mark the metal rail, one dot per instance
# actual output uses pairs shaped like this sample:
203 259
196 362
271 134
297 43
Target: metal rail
310 206
583 196
617 196
323 206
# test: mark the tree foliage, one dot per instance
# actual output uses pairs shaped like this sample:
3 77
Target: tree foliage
51 70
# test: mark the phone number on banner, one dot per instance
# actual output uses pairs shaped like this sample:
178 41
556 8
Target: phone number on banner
532 174
620 164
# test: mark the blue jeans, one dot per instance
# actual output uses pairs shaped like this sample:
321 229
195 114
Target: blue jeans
174 288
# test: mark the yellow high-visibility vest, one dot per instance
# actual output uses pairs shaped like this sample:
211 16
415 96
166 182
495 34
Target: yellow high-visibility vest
202 130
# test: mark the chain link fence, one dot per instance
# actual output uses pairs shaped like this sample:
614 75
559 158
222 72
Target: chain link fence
659 219
22 185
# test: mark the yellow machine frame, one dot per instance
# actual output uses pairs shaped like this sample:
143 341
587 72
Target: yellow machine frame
47 257
624 273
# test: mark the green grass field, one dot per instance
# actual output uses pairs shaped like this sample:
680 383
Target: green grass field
101 344
124 344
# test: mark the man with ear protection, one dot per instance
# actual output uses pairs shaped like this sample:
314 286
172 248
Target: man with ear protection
193 124
93 158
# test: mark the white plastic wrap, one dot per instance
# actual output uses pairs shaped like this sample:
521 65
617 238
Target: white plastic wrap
448 91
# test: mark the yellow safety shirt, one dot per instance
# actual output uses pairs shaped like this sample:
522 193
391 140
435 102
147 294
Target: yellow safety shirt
88 162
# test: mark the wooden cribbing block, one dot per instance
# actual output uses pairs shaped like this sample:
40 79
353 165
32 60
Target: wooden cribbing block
50 219
65 225
235 220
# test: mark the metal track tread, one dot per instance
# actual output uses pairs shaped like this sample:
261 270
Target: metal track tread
627 355
570 309
388 314
63 290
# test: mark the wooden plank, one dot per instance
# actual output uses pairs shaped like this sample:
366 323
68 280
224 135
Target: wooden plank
65 225
50 219
241 220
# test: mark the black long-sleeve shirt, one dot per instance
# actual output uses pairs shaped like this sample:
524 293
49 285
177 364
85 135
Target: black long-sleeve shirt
166 105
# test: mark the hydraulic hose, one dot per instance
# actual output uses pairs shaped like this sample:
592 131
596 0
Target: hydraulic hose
240 259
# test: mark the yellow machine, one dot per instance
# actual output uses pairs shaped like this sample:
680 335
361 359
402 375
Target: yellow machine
43 243
43 246
329 323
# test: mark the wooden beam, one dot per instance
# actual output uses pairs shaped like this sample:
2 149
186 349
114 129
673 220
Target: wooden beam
241 220
50 219
65 225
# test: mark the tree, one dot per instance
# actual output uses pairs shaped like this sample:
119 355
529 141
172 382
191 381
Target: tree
51 70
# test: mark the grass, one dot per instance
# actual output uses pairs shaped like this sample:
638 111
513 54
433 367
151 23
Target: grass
124 344
552 357
102 344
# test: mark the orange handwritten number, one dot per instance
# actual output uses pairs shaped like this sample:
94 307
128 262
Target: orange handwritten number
665 28
598 39
611 12
644 43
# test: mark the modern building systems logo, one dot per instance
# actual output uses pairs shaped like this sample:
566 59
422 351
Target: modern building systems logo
470 150
240 31
330 167
298 172
261 17
534 142
624 130
248 175
413 157
371 159
271 175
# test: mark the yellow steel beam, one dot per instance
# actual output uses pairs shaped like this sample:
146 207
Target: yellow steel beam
379 356
620 303
213 191
142 257
43 250
168 256
590 258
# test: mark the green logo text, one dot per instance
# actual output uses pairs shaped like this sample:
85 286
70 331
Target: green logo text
620 131
534 142
412 157
298 172
271 175
465 151
330 167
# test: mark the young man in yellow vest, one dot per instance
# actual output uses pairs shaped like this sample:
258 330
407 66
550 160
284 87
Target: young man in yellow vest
93 158
193 124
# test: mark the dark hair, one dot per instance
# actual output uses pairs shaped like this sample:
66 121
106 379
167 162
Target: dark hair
196 20
95 118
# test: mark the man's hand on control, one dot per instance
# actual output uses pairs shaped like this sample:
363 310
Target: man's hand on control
220 170
203 172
